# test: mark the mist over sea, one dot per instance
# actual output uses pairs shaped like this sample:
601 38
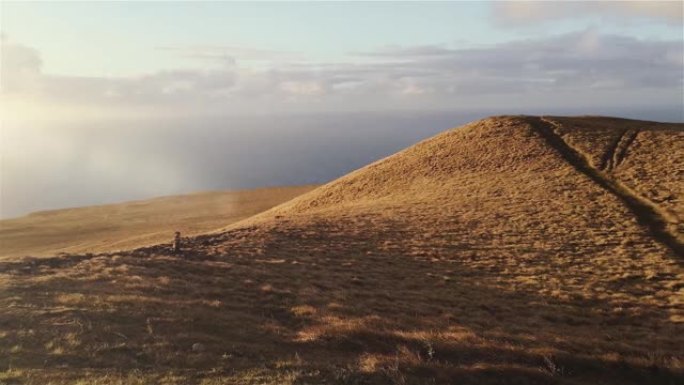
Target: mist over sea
57 165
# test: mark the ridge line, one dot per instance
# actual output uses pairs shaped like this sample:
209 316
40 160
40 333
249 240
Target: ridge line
647 213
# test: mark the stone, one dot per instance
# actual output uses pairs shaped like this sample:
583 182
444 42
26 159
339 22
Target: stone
198 347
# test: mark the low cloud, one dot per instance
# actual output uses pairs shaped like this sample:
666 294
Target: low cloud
75 164
568 70
586 59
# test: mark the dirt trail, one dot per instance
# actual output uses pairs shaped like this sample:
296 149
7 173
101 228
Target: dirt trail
618 149
646 212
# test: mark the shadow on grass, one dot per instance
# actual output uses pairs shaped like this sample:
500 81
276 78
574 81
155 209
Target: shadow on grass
315 306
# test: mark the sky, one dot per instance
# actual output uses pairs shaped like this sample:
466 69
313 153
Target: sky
312 74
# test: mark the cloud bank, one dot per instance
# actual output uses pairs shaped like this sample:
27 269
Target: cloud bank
564 70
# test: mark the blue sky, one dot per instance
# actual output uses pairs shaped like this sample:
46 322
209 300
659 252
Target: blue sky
123 38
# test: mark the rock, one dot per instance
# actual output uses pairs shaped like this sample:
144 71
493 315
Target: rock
198 347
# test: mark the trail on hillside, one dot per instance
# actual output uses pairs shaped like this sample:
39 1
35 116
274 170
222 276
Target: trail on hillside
646 212
607 158
618 149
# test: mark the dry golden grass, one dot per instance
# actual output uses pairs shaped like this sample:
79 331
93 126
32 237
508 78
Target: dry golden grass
134 224
496 253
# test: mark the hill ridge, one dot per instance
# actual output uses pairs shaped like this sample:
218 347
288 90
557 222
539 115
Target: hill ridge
663 224
126 225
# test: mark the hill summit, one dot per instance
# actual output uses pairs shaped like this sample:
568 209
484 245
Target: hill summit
513 249
527 170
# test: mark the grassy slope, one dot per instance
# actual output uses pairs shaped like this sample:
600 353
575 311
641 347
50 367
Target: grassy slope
133 224
494 253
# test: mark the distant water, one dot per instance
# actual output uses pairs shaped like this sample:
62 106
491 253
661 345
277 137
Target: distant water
55 166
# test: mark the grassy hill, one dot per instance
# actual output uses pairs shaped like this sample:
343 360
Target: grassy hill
522 250
133 224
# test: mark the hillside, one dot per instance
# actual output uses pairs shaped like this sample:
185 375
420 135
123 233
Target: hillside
133 224
526 250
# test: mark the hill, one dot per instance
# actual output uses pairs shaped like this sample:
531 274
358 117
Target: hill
133 224
526 250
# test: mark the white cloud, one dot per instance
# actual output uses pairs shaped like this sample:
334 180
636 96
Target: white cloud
582 63
518 13
306 88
